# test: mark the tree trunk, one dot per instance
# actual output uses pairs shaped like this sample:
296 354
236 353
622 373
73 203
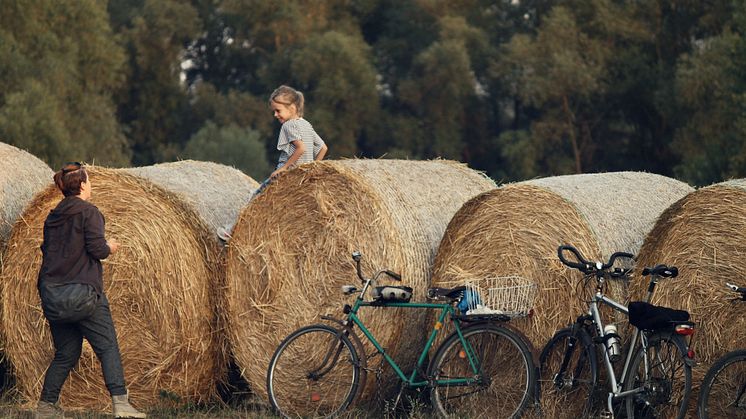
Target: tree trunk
571 130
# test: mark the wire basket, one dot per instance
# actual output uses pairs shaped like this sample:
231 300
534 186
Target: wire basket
510 295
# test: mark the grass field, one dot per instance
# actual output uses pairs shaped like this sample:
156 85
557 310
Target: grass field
243 409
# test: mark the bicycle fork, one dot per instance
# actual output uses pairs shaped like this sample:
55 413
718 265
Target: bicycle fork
559 379
329 361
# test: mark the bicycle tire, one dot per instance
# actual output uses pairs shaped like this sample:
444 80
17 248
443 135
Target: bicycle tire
668 387
723 390
507 365
574 394
314 373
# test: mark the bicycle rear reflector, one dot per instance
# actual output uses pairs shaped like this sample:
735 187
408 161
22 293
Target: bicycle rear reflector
685 330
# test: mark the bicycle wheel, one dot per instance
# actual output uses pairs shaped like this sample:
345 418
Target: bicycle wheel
722 393
667 384
572 392
505 382
314 373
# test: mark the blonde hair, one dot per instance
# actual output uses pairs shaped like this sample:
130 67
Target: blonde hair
286 95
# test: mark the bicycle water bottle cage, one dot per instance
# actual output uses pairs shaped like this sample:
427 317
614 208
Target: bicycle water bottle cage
646 316
391 294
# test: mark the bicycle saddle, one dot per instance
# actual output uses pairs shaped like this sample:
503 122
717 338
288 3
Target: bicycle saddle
646 316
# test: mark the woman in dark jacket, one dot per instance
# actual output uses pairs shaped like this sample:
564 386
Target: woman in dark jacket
74 244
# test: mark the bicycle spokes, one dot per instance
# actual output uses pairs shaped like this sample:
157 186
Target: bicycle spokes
662 382
314 373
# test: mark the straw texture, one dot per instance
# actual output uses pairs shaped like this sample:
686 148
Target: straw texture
29 176
216 192
704 235
516 229
159 289
291 248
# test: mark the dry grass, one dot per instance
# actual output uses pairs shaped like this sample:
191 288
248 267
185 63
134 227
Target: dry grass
516 229
160 286
291 249
215 191
704 235
29 176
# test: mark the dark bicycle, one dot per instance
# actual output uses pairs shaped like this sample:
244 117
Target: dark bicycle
723 390
656 379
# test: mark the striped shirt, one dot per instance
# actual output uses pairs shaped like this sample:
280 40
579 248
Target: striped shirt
298 129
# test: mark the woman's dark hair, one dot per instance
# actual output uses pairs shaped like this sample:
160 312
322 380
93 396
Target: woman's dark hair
69 178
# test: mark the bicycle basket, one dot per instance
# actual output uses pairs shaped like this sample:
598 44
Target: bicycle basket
510 295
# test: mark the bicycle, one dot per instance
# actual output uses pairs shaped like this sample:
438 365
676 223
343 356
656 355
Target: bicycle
656 378
722 392
484 368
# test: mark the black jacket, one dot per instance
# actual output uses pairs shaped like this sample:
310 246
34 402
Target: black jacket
74 244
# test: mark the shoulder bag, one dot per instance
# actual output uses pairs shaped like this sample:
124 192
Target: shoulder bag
67 303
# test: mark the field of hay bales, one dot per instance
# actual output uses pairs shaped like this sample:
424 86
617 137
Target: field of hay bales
198 319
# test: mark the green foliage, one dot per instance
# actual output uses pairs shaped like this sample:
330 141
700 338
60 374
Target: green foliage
336 73
710 83
559 70
231 108
155 105
517 88
59 64
229 145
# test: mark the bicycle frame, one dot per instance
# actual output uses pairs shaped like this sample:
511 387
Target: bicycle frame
446 309
593 311
616 385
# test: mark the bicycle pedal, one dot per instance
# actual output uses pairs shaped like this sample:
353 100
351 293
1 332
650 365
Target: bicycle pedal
605 414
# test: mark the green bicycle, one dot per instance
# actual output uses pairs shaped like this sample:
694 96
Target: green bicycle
484 368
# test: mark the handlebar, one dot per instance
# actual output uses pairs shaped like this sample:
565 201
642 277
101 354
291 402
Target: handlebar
393 275
588 267
357 257
736 288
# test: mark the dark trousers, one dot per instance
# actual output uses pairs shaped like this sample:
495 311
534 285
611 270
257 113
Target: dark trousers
98 330
262 187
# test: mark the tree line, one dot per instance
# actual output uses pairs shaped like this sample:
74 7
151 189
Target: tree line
516 88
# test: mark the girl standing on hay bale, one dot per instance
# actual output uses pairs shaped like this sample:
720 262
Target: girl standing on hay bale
298 142
72 292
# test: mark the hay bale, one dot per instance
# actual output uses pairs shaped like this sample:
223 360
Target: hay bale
290 251
704 235
28 176
516 229
158 284
217 192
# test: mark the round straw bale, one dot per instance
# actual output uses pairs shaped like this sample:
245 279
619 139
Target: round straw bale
159 289
704 235
216 191
515 231
291 247
17 186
